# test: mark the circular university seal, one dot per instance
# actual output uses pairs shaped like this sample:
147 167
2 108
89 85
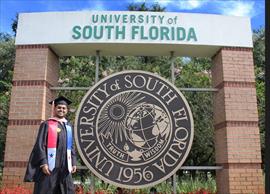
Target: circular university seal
134 129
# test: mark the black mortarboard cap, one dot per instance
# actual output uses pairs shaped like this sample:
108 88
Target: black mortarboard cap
61 100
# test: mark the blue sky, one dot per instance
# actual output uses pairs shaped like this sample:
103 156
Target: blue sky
255 9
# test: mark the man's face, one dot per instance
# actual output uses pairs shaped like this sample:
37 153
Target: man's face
60 111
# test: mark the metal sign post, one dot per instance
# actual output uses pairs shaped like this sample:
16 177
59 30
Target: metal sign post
173 81
97 65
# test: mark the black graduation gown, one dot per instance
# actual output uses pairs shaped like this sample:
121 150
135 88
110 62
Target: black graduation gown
60 180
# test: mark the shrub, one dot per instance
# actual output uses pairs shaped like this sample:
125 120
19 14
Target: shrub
15 190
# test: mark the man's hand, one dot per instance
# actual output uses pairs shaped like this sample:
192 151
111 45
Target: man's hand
74 168
45 169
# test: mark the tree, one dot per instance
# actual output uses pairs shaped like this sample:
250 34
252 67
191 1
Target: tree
196 74
14 24
76 72
259 62
143 7
7 58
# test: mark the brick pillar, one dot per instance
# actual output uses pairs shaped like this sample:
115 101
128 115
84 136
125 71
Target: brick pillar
237 139
36 69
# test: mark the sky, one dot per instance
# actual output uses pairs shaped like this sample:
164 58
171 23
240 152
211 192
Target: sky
254 9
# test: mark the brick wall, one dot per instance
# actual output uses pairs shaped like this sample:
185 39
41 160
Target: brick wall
237 139
36 69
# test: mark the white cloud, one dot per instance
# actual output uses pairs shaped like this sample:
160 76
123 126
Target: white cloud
138 1
96 6
190 4
164 2
238 8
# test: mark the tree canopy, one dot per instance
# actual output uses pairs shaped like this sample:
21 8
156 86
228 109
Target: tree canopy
259 63
7 59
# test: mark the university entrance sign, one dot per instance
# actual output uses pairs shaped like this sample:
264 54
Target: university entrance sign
131 130
134 129
133 33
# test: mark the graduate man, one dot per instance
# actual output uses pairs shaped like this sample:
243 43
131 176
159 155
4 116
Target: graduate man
53 159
